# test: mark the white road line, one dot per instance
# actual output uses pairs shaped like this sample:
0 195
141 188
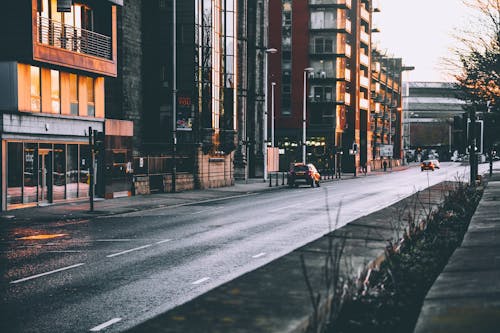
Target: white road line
163 241
47 273
303 203
104 325
127 251
259 255
64 251
201 280
205 211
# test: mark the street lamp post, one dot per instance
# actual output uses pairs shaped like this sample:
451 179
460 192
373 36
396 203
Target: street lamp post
273 84
174 95
304 109
264 115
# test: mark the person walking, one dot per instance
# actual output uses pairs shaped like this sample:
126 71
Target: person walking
385 166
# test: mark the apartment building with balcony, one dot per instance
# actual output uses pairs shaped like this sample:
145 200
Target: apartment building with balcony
54 59
386 117
331 41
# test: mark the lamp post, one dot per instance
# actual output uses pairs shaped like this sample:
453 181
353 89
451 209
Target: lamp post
174 95
264 116
304 108
273 84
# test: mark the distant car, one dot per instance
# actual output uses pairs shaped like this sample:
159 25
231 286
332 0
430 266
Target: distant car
436 163
303 173
429 165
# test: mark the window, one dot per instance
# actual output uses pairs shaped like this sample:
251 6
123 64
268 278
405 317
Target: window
14 173
55 94
73 94
35 89
90 97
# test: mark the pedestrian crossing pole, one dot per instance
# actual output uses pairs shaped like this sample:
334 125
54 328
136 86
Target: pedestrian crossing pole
91 169
472 146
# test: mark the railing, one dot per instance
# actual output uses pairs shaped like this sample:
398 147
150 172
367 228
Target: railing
364 81
364 59
365 15
364 103
57 34
347 3
365 38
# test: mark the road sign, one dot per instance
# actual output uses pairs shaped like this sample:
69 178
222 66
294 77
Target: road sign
386 150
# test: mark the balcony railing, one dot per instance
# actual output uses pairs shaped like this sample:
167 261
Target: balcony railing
57 34
365 15
364 103
364 81
346 3
364 37
364 60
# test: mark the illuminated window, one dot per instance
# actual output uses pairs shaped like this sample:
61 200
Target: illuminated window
73 94
35 88
55 94
90 97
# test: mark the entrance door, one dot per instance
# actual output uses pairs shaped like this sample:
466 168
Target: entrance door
45 175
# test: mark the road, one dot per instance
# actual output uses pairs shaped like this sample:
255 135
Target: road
110 273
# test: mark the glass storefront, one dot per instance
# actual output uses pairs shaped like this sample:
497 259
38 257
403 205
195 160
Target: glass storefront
46 172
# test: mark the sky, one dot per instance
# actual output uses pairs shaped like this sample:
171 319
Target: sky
420 32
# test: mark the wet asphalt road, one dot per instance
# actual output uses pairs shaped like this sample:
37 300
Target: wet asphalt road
110 273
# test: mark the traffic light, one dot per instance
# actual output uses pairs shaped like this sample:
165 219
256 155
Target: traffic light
98 142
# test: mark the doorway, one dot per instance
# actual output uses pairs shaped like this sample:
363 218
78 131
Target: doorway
45 175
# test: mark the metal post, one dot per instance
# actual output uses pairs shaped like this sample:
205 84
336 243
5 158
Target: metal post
91 170
304 120
273 84
174 95
472 147
304 109
264 120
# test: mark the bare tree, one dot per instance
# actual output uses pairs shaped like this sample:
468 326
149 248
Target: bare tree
477 56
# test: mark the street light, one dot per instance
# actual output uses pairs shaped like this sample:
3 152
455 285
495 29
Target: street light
174 95
264 116
304 107
273 84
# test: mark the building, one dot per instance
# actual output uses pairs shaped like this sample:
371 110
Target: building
252 46
323 70
52 79
386 110
180 89
436 118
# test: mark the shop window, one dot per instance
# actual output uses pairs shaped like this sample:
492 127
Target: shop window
30 173
35 89
59 171
83 175
14 173
72 172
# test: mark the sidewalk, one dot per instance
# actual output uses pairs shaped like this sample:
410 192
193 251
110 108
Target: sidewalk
80 209
466 296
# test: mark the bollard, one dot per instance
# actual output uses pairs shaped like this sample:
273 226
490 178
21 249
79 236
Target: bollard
282 178
277 179
270 177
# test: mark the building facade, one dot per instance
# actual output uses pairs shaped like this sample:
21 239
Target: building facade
436 118
181 91
386 110
323 68
52 77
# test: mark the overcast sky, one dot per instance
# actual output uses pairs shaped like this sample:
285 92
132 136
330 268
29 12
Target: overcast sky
419 31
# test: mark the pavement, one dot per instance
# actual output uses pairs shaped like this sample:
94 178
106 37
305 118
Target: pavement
466 295
277 297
